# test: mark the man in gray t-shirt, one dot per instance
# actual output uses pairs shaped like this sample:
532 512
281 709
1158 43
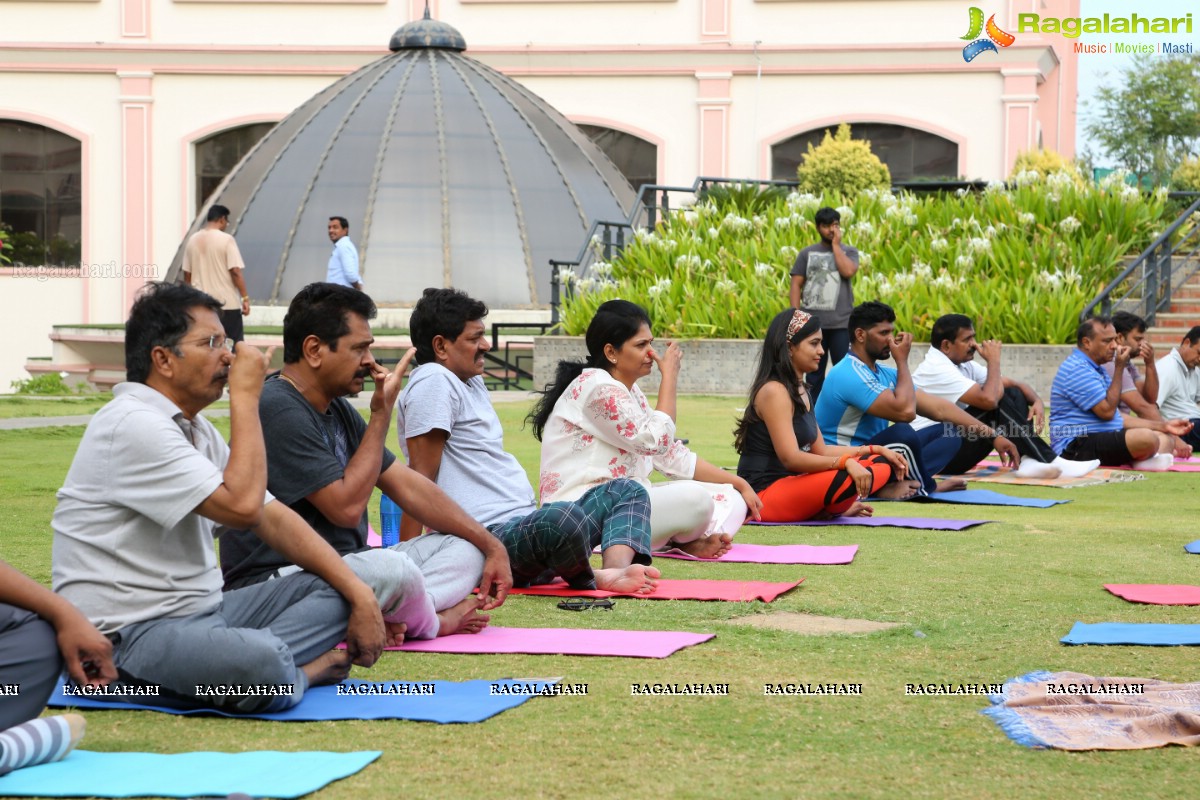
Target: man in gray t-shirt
821 286
450 433
153 484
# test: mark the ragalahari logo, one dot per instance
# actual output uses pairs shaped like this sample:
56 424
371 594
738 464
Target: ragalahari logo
995 36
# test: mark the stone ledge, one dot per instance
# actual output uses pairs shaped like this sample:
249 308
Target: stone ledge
726 366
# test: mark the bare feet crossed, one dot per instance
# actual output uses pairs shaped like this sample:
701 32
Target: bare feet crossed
712 546
635 578
463 617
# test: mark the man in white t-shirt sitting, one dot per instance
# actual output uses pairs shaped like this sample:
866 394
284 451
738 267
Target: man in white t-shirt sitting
1179 385
450 433
1008 405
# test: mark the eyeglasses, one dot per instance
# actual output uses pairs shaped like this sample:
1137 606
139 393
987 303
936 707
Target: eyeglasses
218 341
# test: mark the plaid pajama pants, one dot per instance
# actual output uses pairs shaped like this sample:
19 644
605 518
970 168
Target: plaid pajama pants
557 540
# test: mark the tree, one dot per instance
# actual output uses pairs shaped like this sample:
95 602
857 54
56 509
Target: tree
1149 121
842 164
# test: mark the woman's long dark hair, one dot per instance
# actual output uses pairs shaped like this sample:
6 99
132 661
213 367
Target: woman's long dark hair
774 364
615 323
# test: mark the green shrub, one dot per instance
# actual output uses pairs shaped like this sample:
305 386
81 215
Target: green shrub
1186 177
1043 162
841 165
48 383
1023 261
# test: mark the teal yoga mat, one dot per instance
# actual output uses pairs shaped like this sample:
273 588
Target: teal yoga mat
1136 633
450 701
259 774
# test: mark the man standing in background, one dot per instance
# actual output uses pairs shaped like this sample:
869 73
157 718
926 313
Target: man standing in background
213 264
821 286
343 261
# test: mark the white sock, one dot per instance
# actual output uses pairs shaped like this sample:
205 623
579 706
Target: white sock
39 741
1032 468
1075 469
1156 463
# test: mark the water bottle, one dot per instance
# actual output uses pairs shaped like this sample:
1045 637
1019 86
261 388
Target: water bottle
389 521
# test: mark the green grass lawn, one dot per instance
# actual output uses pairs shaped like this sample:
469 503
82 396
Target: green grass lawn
991 603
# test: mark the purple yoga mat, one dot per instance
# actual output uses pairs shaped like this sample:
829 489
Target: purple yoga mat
776 554
560 641
921 523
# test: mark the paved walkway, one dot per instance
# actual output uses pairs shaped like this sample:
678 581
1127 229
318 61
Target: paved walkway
362 401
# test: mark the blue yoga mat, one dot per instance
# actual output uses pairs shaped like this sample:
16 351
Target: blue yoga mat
1149 633
1193 547
986 497
467 701
258 774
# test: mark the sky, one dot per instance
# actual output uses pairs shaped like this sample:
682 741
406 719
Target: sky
1096 70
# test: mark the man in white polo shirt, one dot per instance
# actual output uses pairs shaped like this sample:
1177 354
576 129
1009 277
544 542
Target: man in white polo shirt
1011 407
1179 384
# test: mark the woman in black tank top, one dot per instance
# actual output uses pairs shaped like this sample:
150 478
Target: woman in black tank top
783 457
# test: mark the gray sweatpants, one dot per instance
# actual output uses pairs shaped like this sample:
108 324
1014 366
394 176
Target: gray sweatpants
259 635
29 660
414 580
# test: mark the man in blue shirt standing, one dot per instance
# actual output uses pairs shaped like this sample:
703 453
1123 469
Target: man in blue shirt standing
343 261
1086 422
862 397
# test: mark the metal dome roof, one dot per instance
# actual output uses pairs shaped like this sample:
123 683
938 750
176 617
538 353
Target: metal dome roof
449 173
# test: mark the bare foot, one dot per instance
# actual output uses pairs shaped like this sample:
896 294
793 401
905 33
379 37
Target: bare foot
634 579
394 633
859 510
951 485
463 617
899 490
332 667
713 546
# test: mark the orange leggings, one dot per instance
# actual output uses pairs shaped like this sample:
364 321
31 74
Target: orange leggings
801 497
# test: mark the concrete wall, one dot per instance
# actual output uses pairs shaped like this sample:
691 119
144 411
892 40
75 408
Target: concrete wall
726 366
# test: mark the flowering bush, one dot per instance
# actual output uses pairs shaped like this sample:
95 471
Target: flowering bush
1021 260
1186 177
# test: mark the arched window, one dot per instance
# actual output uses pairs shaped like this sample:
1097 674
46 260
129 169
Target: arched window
910 154
218 154
41 205
635 157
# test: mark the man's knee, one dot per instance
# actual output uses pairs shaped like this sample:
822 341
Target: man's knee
387 572
1141 443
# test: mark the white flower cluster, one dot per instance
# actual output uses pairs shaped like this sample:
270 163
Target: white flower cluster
687 260
803 203
566 276
1026 218
735 223
788 252
1069 225
762 270
658 288
726 285
1026 177
1057 279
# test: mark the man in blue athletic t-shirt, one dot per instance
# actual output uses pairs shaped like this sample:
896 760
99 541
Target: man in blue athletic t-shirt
862 397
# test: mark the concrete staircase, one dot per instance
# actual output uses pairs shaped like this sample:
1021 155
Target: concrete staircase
1184 312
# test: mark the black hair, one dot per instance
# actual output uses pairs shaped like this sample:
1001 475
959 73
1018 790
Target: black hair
774 364
217 212
946 328
615 323
1124 322
827 216
1192 336
869 314
160 317
343 222
320 310
441 312
1086 329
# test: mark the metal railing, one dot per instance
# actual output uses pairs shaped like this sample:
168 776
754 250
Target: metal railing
1145 286
606 238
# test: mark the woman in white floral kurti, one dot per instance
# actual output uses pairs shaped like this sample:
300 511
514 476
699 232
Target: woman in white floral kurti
596 425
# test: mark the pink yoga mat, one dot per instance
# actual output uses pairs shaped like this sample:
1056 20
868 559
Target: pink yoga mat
1159 594
667 589
560 641
1178 466
776 554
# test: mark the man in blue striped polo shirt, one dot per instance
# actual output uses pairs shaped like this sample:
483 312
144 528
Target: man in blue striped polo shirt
1085 421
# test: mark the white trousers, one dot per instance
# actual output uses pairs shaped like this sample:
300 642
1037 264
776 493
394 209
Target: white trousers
684 511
